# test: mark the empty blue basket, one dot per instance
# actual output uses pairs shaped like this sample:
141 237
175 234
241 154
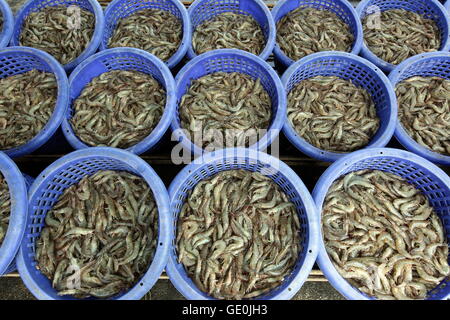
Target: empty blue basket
360 72
19 206
37 5
119 9
8 24
280 173
428 178
17 60
432 64
12 266
231 60
122 59
430 9
202 10
342 8
69 170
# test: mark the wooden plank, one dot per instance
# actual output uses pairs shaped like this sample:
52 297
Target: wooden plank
314 276
104 3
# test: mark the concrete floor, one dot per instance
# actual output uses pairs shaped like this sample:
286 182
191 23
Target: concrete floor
14 289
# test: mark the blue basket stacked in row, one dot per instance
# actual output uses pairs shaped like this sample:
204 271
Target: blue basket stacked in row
202 10
70 169
197 13
36 5
73 167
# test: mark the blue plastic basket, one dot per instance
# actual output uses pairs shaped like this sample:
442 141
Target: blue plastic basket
202 10
430 9
349 67
119 9
280 173
232 60
12 266
17 60
17 219
342 8
122 59
432 64
432 181
447 5
8 24
63 173
37 5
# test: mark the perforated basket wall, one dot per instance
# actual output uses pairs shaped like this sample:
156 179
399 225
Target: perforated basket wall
120 9
360 72
69 170
232 60
8 23
428 178
430 9
342 8
17 60
37 5
122 59
202 10
19 205
254 161
433 64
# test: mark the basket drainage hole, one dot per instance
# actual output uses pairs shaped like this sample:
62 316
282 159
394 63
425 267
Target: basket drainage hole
310 251
160 243
141 284
289 289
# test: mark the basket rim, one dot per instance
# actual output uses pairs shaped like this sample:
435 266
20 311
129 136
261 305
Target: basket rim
185 20
61 104
92 45
179 279
270 41
8 23
357 43
163 124
400 133
329 156
27 270
320 190
278 118
19 206
386 66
